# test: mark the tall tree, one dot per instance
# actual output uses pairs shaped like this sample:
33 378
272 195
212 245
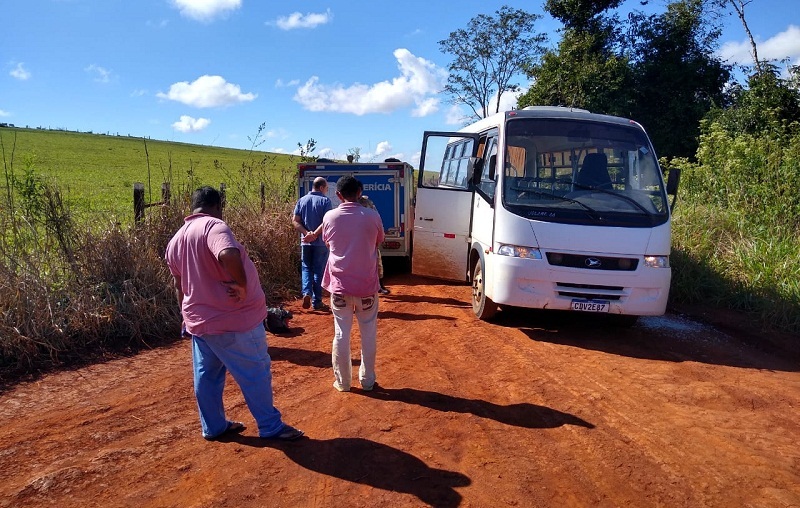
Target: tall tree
488 54
677 78
738 6
587 69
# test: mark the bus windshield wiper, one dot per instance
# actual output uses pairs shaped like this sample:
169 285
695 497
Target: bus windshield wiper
617 194
591 211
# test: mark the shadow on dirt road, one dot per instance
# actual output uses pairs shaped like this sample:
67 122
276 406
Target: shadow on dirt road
670 338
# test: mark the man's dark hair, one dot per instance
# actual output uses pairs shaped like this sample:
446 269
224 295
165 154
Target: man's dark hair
206 197
348 187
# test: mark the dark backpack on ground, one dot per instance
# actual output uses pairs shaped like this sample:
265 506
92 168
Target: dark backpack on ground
277 320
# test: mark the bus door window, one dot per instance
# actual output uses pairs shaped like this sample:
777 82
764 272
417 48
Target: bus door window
487 183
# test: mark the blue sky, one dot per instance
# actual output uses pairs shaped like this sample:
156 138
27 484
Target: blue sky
348 73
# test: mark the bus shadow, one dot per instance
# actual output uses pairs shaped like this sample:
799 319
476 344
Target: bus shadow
671 338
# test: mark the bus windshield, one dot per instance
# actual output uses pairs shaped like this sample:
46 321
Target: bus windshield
587 172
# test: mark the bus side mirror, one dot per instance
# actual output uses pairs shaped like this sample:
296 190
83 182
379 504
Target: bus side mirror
673 179
492 166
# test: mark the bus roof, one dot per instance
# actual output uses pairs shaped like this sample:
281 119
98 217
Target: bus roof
545 112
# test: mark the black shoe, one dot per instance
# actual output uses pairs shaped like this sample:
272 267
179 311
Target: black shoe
322 307
306 301
288 433
383 291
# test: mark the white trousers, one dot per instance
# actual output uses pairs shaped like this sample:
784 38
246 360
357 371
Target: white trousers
365 309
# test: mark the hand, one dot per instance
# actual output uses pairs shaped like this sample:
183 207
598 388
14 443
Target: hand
235 291
309 237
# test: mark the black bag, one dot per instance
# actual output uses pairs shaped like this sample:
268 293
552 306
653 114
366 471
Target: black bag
277 320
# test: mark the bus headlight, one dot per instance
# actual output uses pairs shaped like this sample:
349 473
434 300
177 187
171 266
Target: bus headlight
517 251
656 261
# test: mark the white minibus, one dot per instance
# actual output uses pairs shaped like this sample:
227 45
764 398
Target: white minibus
546 208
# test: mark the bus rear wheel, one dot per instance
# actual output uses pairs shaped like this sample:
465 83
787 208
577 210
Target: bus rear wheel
483 306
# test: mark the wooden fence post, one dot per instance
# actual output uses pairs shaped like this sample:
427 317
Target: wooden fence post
222 194
263 197
165 193
138 201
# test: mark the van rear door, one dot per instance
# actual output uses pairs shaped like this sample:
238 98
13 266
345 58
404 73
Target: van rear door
443 206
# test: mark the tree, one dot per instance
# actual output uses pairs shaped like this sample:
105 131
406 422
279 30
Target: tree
738 6
677 79
307 150
587 69
769 104
657 69
489 53
355 153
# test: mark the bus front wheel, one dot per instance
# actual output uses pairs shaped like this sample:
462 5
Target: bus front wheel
482 305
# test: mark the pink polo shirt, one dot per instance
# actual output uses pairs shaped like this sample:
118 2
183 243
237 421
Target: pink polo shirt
192 255
353 234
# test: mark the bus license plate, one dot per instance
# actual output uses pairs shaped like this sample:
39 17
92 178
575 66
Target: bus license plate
590 305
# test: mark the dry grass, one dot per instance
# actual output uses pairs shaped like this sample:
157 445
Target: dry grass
107 291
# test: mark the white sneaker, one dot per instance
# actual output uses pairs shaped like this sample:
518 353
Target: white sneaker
340 387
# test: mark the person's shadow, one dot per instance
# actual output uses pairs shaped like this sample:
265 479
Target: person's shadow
530 416
366 462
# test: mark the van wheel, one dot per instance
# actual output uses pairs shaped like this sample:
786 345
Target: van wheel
482 305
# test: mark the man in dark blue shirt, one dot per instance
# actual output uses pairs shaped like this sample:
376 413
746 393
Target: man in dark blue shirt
308 214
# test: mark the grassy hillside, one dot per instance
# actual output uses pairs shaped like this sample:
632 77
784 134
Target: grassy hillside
96 172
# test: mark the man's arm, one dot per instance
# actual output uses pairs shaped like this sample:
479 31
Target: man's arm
308 235
176 283
231 261
297 222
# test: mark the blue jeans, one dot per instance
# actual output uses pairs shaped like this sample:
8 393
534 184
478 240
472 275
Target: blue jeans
314 258
245 356
365 310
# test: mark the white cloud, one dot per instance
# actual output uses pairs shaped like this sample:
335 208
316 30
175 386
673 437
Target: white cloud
281 84
101 74
383 148
419 79
20 72
205 10
189 124
426 107
298 20
139 92
455 116
277 150
276 133
156 24
4 113
207 92
508 100
785 44
327 153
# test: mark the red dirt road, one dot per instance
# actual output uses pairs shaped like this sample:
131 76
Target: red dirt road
536 409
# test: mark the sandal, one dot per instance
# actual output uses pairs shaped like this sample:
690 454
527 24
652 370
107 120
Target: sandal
288 433
232 428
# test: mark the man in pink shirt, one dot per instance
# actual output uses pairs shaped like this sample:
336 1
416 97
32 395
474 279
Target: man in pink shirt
223 308
352 233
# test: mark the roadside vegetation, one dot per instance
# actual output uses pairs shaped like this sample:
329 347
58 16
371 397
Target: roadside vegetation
736 234
82 282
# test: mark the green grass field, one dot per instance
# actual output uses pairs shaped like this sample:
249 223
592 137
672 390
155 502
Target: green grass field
96 172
